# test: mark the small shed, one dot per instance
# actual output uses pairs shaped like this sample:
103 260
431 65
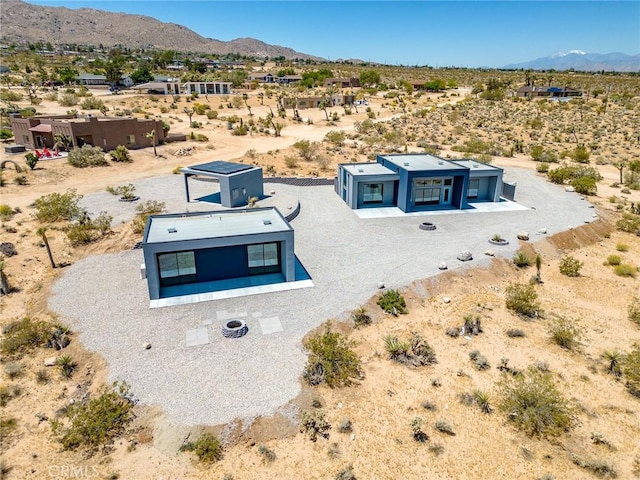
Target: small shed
238 181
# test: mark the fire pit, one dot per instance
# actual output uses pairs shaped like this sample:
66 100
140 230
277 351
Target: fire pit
234 329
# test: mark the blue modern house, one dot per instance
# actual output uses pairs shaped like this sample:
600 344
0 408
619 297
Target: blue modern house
185 252
418 182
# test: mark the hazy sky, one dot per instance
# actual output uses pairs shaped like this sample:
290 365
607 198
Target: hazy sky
436 33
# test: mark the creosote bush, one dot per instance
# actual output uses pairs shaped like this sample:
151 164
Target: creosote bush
522 299
570 266
521 260
631 371
625 270
121 154
97 421
392 302
565 334
87 156
207 448
533 403
361 317
56 207
331 359
143 211
614 260
633 310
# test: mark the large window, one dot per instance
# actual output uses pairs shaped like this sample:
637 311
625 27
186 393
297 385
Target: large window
474 186
264 258
427 192
372 193
176 268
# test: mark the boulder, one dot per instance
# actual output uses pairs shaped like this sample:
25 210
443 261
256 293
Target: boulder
446 299
489 253
146 346
569 189
465 256
50 361
523 236
442 266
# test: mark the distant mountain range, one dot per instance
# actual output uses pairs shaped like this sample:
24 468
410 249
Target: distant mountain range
22 21
583 61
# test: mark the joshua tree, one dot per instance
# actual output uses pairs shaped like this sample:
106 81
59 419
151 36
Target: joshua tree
538 266
189 112
41 232
261 97
152 136
4 283
245 97
620 165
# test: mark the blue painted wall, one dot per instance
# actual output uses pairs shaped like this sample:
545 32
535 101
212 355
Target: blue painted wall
220 263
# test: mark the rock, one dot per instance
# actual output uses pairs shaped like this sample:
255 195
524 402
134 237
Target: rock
465 256
50 361
146 346
442 266
272 192
380 285
523 236
446 299
489 253
569 189
594 215
353 437
542 231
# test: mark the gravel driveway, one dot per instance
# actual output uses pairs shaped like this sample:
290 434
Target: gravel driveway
103 299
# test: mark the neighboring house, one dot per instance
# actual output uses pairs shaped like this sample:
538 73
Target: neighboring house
344 82
314 102
185 253
288 79
239 182
104 132
91 79
262 77
159 88
207 88
549 92
416 182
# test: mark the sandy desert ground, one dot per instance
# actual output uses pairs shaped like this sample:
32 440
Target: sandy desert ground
382 405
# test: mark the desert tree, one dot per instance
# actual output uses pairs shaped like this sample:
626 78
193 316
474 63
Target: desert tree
620 165
245 97
324 105
152 136
261 98
42 233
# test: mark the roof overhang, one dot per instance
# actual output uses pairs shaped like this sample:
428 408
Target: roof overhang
41 128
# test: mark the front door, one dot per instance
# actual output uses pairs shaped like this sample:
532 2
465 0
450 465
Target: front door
446 191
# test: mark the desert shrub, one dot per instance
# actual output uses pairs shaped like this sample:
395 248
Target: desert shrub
20 179
5 133
212 114
361 317
87 156
570 266
290 162
481 362
542 167
444 427
336 137
564 334
67 365
31 159
412 352
625 270
521 260
580 154
13 369
522 299
143 211
429 405
483 400
515 333
585 185
9 392
633 310
533 403
392 302
597 467
97 421
331 359
346 474
416 429
631 370
308 150
614 260
25 335
7 425
125 192
6 212
89 230
314 424
207 448
629 222
92 103
7 95
622 247
345 426
121 154
68 99
268 455
42 376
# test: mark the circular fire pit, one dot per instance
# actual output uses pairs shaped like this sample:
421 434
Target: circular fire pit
427 226
234 329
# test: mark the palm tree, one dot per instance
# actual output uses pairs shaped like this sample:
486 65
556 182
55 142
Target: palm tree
41 232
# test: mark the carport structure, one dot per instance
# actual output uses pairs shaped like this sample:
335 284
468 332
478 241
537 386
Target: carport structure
238 181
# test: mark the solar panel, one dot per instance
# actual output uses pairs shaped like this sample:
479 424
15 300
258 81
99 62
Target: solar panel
221 168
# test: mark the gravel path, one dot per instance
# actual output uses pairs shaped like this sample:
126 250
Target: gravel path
104 300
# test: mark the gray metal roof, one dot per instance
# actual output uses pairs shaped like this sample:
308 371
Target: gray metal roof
421 161
217 224
473 164
357 169
220 167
